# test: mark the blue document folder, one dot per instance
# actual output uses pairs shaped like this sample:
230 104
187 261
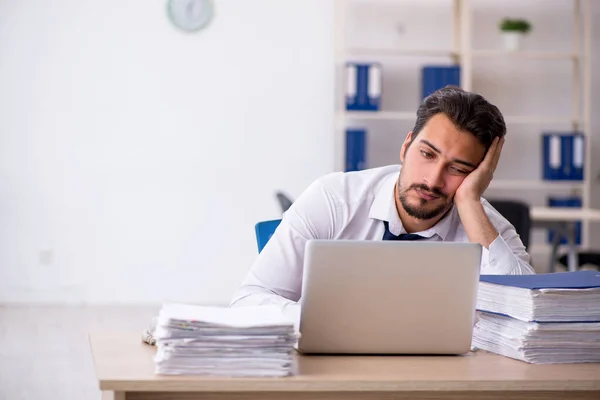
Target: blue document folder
356 149
434 77
363 86
559 280
563 155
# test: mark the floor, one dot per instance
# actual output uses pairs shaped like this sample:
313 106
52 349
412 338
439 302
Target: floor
44 352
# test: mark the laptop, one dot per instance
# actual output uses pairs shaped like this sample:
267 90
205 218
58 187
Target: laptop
388 297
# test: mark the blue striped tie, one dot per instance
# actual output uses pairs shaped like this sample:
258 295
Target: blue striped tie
387 235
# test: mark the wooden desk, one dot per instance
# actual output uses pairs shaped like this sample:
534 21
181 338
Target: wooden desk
563 221
124 366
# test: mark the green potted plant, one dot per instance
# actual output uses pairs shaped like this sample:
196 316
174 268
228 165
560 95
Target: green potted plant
512 31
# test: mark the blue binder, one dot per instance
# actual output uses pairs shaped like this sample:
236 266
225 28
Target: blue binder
558 280
578 156
363 86
566 156
356 147
563 155
571 201
434 77
552 156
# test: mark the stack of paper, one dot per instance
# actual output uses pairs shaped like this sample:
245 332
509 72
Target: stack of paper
554 297
241 341
544 318
539 343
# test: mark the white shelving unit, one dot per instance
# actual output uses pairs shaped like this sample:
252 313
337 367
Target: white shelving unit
463 54
410 116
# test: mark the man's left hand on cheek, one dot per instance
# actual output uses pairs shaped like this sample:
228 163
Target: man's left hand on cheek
477 225
472 187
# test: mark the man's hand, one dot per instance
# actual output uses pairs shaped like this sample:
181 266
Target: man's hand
477 225
473 186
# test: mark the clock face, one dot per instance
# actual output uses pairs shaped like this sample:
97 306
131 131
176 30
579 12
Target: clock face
190 15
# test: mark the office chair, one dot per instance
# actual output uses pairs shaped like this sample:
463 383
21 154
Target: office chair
284 201
264 230
517 213
584 258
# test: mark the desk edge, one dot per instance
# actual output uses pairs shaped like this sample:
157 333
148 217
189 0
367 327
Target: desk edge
293 385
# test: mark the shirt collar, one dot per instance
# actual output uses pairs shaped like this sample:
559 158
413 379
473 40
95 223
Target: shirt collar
384 209
384 199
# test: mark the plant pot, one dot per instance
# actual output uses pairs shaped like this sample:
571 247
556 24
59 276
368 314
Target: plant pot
512 40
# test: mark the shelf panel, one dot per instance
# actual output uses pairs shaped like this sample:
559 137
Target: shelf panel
483 53
520 184
412 115
538 119
382 115
359 51
540 55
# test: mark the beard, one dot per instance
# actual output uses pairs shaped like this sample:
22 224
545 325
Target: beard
420 211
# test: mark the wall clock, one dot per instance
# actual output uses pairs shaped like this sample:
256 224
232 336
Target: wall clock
190 15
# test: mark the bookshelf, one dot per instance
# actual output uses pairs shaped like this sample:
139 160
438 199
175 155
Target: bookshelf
458 47
410 116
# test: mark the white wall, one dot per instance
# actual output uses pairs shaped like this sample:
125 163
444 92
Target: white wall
135 159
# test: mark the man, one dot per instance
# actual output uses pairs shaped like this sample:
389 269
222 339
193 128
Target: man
447 162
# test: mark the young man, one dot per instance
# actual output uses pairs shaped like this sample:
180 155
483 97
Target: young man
447 162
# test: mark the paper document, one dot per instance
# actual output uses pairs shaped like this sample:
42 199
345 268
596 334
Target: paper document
543 318
239 341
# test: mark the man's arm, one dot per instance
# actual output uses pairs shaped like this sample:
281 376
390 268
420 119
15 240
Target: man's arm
507 254
478 226
276 275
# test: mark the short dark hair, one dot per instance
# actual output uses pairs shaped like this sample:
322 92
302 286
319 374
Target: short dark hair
470 112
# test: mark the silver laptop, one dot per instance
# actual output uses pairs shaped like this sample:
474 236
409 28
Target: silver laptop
388 297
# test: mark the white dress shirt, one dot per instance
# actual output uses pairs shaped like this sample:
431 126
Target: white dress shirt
353 205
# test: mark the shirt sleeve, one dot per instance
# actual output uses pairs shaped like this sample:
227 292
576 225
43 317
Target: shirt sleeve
276 275
507 254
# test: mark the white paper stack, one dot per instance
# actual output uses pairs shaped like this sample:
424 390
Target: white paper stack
543 318
543 304
538 343
240 341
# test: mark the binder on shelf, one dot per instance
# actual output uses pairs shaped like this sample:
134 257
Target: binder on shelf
569 201
578 160
552 156
563 155
363 86
434 77
356 146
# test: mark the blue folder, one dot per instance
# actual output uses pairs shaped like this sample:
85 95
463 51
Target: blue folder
364 86
563 155
434 77
559 280
578 156
356 148
553 156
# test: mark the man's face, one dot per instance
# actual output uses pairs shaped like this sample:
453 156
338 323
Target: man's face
434 165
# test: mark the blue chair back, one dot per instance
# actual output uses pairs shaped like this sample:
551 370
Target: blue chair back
264 230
